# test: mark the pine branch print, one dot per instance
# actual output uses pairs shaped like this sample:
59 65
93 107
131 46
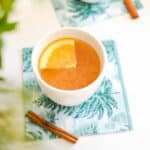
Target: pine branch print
101 101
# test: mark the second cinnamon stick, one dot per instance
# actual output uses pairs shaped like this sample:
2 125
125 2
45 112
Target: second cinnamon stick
131 8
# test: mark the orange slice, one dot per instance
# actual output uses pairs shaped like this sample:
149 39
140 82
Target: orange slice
59 54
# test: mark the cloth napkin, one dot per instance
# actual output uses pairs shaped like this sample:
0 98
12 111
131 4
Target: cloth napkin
106 111
79 13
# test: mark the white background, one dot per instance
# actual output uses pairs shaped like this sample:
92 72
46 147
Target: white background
36 18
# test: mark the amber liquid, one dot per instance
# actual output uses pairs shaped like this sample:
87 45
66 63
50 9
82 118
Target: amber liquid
87 69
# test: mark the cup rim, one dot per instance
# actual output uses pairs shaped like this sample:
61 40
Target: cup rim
37 74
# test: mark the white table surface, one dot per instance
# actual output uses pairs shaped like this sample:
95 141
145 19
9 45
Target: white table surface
36 18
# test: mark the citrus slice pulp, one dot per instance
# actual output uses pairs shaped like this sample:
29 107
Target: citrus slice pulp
59 54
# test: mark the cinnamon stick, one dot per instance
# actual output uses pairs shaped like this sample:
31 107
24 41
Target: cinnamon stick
50 127
131 8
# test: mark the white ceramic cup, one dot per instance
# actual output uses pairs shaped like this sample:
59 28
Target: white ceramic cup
69 97
91 1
